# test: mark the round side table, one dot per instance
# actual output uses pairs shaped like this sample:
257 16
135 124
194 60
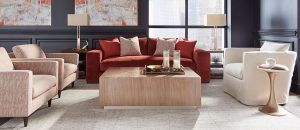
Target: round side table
272 107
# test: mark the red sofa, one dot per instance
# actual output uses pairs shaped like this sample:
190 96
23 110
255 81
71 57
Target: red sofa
96 64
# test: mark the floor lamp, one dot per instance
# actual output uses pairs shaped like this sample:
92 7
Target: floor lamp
215 20
78 20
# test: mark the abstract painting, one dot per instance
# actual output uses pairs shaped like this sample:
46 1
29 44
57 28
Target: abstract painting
109 12
25 12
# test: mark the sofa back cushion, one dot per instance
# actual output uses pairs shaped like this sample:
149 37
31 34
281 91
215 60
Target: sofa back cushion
110 48
151 45
186 48
5 62
143 45
28 51
130 47
274 46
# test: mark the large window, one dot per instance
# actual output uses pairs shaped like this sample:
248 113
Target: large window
185 19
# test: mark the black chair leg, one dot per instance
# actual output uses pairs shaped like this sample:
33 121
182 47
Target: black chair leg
73 84
59 93
25 121
49 103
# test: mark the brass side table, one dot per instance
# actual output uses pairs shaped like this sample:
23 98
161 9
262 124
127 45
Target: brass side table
272 108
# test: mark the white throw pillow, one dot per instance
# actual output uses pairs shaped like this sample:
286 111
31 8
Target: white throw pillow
163 44
130 47
274 46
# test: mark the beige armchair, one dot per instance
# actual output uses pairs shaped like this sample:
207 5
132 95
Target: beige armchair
249 85
67 62
26 86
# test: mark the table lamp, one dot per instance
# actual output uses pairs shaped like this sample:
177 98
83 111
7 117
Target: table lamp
78 20
215 20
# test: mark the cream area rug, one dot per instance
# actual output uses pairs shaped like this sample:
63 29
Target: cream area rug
78 109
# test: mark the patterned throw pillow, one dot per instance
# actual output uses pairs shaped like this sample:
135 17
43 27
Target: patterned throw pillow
130 47
162 45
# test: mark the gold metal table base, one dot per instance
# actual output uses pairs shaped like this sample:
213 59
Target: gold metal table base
279 112
272 108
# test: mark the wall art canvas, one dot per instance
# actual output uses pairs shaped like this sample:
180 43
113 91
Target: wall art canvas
109 12
25 12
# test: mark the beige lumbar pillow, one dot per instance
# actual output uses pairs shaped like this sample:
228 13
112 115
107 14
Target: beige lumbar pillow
28 51
130 47
274 46
163 45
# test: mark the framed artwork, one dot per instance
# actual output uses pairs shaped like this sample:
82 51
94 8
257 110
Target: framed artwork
25 12
109 12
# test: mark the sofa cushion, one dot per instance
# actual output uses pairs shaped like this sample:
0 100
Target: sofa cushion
143 45
42 83
151 45
69 69
186 48
274 46
130 47
110 48
140 61
5 62
235 70
163 44
28 51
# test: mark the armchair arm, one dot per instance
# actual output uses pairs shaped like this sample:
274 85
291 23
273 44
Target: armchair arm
38 67
202 60
15 92
68 57
235 55
60 66
93 60
255 58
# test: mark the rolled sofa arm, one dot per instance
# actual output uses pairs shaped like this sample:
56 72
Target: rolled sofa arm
235 55
93 59
68 57
202 60
15 92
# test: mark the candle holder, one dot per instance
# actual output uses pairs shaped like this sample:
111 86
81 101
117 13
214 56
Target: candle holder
176 60
166 60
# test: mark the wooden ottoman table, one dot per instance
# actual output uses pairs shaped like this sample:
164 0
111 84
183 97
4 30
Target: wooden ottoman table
128 86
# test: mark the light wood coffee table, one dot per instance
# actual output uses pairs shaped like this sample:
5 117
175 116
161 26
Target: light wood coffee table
128 86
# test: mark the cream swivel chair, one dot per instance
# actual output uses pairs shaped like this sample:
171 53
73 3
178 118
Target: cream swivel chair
68 62
26 85
249 85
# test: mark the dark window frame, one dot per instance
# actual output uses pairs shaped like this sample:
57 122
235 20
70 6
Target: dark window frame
186 27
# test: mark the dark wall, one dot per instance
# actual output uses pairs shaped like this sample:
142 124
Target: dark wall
242 22
279 21
59 36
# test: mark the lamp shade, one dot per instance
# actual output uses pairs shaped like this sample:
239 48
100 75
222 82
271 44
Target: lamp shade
215 20
78 19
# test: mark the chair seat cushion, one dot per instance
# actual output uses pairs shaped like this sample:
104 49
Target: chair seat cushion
140 61
42 83
69 69
235 70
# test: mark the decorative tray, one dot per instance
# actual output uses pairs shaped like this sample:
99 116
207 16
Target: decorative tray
158 69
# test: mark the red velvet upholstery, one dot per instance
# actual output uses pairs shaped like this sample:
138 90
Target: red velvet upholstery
110 48
202 59
96 64
143 45
140 61
93 59
186 48
151 45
